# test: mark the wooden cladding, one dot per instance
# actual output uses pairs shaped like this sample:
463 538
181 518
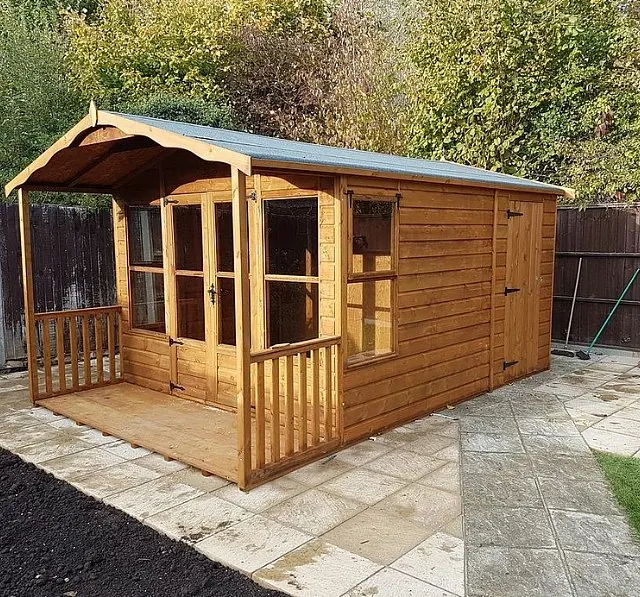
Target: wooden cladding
83 345
295 404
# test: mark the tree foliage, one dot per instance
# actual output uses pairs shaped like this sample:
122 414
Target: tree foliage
37 103
522 86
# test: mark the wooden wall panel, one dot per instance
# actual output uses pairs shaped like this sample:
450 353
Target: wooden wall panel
447 253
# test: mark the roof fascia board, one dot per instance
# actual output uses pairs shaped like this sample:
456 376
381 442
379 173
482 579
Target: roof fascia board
206 151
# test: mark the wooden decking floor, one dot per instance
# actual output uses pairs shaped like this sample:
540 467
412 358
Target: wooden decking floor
201 436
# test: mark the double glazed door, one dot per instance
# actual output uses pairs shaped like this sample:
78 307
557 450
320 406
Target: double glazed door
199 290
522 306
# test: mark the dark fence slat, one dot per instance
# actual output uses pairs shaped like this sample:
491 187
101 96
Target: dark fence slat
608 239
73 265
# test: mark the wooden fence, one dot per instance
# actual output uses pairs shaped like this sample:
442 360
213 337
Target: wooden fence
73 267
608 240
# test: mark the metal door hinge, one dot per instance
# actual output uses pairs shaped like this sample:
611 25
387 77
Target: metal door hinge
398 197
508 364
513 214
253 196
172 342
173 386
510 290
212 294
166 201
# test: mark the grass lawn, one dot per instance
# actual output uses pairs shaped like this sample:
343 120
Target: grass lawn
624 475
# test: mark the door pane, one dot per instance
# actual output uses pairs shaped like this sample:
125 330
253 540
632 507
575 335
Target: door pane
145 236
369 319
190 297
293 311
187 224
292 236
147 298
224 237
372 234
226 311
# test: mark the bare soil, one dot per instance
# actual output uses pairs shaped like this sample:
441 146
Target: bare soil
57 542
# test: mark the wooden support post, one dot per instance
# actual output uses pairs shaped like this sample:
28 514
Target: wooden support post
493 292
27 285
243 323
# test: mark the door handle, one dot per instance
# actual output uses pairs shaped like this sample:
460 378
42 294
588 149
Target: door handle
510 290
212 294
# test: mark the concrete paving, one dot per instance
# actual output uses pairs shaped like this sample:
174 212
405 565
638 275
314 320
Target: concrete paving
385 517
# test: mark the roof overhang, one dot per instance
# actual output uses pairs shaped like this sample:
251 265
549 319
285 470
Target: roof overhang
129 128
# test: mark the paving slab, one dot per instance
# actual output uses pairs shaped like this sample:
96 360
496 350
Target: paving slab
595 533
509 527
439 560
603 575
252 544
263 497
508 572
378 535
198 518
314 511
317 569
404 464
391 583
114 479
362 485
80 463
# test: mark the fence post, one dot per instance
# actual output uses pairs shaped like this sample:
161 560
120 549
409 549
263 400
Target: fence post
27 285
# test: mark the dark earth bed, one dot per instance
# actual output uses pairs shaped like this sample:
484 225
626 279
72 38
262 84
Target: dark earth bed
56 541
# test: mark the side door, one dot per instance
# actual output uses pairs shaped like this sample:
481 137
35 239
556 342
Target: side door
188 300
522 305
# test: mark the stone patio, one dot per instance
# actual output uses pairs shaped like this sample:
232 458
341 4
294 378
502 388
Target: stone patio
384 517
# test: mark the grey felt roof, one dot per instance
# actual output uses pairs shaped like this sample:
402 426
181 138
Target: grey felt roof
280 150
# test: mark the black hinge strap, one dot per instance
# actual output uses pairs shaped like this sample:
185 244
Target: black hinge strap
172 342
173 386
510 290
166 201
398 197
513 214
508 364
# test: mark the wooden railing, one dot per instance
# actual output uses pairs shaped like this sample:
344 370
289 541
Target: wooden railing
295 394
78 342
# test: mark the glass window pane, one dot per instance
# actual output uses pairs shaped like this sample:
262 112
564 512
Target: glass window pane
292 236
190 297
147 298
293 312
187 224
226 312
224 237
145 236
372 234
369 319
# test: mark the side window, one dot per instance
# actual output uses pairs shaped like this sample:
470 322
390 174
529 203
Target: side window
291 269
372 278
146 274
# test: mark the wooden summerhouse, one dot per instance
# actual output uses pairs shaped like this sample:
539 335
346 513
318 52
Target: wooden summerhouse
278 300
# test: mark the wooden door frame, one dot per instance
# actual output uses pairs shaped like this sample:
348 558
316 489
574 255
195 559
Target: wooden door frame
168 202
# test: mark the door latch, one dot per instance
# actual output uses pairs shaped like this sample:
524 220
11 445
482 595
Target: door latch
509 364
172 342
513 214
212 294
510 290
173 386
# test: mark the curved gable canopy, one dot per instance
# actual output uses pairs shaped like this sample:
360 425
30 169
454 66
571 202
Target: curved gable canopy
104 149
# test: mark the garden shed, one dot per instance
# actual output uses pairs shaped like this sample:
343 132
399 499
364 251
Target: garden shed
278 300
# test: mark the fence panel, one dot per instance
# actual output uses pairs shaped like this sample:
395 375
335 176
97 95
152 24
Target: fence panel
608 240
73 267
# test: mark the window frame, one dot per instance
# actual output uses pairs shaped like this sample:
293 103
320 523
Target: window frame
359 277
266 278
131 269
